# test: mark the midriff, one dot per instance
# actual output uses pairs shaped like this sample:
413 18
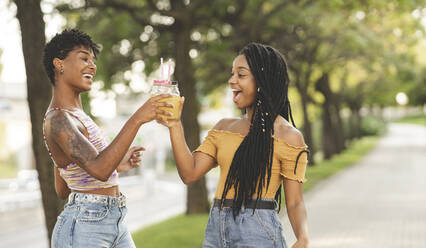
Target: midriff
111 191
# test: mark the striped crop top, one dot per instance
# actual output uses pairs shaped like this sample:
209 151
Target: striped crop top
76 177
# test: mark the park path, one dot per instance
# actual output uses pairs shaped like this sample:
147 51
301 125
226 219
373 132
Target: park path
378 202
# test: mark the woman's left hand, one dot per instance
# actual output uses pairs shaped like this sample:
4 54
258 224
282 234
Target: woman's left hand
131 159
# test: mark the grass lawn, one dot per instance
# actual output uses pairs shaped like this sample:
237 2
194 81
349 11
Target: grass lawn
188 231
416 119
180 231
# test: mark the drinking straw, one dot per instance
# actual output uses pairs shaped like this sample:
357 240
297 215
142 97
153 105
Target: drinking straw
169 71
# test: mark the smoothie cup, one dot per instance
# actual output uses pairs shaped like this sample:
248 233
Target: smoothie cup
164 87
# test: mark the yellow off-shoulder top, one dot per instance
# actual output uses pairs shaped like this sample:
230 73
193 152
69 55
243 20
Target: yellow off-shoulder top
221 145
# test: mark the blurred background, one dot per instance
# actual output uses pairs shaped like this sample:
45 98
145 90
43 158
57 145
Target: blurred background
355 66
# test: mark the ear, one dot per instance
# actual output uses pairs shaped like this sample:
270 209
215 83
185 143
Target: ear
58 64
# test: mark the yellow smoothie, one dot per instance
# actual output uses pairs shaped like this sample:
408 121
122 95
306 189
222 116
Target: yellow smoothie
175 100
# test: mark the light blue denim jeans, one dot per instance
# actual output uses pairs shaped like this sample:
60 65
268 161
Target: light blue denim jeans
261 229
90 220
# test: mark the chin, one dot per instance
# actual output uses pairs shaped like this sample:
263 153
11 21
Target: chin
85 88
241 106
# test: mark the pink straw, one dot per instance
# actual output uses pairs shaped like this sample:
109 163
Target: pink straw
169 71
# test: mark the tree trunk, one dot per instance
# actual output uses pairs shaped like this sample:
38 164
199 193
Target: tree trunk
355 123
197 196
329 145
39 94
340 134
333 140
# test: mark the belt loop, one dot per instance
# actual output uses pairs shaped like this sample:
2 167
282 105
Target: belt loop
71 198
109 202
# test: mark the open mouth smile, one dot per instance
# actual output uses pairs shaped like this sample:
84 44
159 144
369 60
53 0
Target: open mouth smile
237 94
88 76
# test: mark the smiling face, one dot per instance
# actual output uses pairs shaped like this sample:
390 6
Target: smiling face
242 83
79 68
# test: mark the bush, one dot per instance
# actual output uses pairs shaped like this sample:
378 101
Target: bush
372 126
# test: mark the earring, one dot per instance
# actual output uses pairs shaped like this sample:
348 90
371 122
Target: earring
62 70
258 89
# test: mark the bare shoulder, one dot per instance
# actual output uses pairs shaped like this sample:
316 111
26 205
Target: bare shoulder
57 119
289 134
60 123
225 124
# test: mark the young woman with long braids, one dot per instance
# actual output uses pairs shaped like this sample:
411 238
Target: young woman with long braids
256 153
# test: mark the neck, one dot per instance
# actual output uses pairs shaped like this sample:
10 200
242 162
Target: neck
65 97
249 113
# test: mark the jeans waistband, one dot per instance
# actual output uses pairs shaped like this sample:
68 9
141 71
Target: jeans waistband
261 204
75 197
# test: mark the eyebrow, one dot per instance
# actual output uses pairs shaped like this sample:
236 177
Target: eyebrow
82 51
85 52
242 67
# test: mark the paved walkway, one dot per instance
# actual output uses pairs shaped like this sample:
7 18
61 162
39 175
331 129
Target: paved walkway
379 202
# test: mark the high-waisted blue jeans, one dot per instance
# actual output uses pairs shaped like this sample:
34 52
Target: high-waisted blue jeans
94 221
261 229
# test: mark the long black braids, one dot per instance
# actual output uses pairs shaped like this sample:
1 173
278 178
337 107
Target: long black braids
250 170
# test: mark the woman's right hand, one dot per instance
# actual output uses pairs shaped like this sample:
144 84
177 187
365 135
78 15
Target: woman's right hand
150 110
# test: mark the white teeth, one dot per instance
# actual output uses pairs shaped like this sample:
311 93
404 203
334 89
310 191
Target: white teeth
235 90
88 76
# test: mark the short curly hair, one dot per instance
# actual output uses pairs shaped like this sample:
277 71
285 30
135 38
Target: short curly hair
61 44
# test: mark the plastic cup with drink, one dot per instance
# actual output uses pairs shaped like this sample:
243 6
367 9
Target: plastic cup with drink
163 86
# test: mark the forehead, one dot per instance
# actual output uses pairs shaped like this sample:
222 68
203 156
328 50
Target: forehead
82 50
240 61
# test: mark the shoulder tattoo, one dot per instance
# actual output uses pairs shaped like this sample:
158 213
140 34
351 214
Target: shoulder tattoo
80 148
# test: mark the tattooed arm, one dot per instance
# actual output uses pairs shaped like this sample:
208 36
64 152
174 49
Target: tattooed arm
65 133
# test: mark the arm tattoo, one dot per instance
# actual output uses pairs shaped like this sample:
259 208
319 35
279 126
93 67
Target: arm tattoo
80 148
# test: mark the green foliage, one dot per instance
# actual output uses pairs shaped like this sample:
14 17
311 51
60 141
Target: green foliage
368 48
372 126
181 231
416 119
417 89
